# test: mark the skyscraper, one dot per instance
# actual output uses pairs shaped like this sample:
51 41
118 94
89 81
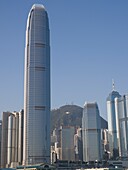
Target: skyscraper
112 127
12 139
15 136
121 105
91 128
67 143
78 145
4 141
37 88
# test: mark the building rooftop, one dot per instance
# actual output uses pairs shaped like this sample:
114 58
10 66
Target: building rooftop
38 6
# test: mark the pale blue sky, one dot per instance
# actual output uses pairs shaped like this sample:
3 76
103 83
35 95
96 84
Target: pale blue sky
89 47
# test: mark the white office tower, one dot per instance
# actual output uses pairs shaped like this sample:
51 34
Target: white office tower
121 105
112 127
12 139
91 128
4 141
104 139
20 136
78 145
37 88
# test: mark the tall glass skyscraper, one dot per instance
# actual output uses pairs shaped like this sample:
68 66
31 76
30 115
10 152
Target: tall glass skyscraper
91 128
112 127
37 88
121 105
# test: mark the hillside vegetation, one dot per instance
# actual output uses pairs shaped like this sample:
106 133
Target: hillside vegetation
69 115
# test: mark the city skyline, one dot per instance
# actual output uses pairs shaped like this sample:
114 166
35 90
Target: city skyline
89 47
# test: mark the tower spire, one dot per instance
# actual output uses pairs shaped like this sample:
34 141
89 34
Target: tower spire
113 85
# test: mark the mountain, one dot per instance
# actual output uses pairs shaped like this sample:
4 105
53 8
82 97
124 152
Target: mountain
70 115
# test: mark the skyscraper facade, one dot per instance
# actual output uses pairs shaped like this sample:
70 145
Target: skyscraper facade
91 128
121 106
37 88
78 145
15 139
4 142
12 139
112 127
67 143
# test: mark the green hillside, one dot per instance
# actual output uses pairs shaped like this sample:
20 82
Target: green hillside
69 115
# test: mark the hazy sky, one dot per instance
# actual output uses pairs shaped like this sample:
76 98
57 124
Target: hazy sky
89 48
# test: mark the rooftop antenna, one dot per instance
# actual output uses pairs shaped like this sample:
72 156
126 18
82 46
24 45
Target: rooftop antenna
113 85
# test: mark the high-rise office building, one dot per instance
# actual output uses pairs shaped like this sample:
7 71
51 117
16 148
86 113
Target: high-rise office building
37 88
12 139
121 106
4 141
112 128
67 151
15 139
91 128
78 145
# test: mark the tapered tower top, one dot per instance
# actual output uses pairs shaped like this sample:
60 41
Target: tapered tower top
38 6
35 7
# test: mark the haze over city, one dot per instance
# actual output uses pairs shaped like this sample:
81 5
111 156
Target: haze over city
89 48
